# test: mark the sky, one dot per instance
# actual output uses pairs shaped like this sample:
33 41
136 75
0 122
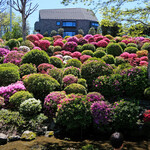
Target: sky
49 4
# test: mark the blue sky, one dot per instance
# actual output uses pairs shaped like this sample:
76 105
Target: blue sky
50 4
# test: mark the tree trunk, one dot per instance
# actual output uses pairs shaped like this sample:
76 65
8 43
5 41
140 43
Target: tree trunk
24 28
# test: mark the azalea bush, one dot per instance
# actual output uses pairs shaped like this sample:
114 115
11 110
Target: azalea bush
95 97
70 46
3 52
57 62
69 79
73 62
43 68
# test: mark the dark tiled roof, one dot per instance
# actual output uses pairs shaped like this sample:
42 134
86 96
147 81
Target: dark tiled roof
68 13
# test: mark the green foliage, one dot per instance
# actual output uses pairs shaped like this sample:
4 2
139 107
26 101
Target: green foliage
119 60
26 69
109 59
132 45
1 59
30 106
114 49
78 119
8 75
19 97
36 57
53 33
20 40
80 31
131 49
99 53
57 62
27 43
56 73
146 46
73 62
35 83
123 45
75 88
147 93
57 48
87 52
9 65
88 47
126 115
79 48
50 50
92 31
82 82
12 43
101 48
61 31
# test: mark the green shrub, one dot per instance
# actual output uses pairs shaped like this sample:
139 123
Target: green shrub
75 88
36 57
87 52
1 59
57 62
10 65
28 44
101 48
57 48
74 115
2 103
147 93
88 47
99 53
90 70
146 46
19 97
123 45
20 40
126 115
40 85
119 60
79 48
73 62
26 69
109 59
13 43
8 75
72 70
56 73
132 45
30 106
50 50
114 49
131 49
82 82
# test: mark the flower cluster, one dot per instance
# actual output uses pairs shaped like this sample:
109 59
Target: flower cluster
94 97
44 67
14 57
3 52
101 112
146 116
9 90
68 79
70 46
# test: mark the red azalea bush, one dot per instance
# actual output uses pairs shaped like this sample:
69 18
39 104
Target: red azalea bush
83 58
146 116
32 38
58 43
70 46
44 44
44 67
76 54
102 43
37 48
40 36
106 39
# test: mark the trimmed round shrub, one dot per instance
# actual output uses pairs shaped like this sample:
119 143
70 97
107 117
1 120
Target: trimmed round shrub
57 48
88 47
76 54
8 75
30 106
102 43
73 62
58 43
82 41
90 70
19 97
84 58
146 46
13 43
75 88
126 115
36 57
40 85
51 101
69 79
119 60
123 45
9 65
74 115
147 93
70 46
79 48
44 67
131 49
56 73
26 69
32 37
57 62
82 82
95 97
114 49
44 44
101 48
40 36
20 39
99 53
132 45
109 59
87 52
72 70
28 44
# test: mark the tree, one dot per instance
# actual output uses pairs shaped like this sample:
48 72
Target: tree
26 9
80 31
53 33
61 31
120 10
2 5
92 31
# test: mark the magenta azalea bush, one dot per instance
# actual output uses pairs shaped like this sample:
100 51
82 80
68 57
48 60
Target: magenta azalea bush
69 79
70 46
3 52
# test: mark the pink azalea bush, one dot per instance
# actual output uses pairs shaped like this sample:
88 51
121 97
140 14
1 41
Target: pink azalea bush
69 79
44 67
44 44
88 36
58 43
40 36
14 57
102 43
73 39
3 52
70 46
76 54
82 41
32 38
83 58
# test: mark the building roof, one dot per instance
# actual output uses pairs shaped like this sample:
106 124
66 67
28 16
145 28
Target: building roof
68 13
